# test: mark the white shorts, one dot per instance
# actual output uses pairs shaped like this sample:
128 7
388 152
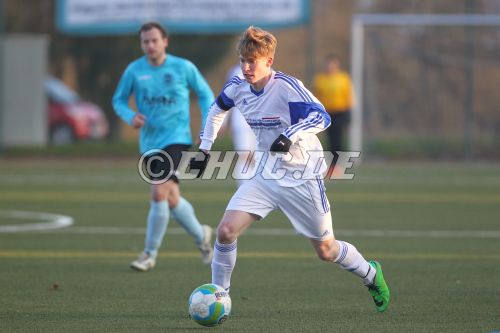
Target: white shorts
305 205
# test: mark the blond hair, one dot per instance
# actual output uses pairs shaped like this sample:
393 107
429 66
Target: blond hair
256 42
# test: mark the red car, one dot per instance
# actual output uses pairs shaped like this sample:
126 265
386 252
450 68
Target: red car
71 118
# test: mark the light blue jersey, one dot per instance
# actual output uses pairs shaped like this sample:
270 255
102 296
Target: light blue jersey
162 95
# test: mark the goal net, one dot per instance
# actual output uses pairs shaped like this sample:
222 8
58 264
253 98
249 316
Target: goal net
426 86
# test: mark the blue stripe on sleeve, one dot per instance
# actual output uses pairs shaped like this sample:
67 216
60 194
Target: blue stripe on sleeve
326 117
295 85
224 102
234 80
300 111
304 125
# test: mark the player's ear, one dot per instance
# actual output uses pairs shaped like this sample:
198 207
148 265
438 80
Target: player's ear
269 61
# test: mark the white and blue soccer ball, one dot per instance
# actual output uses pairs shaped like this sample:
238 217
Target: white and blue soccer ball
209 305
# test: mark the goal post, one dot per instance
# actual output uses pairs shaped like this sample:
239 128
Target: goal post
359 25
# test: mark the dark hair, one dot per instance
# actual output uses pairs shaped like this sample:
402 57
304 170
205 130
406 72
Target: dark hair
151 25
332 57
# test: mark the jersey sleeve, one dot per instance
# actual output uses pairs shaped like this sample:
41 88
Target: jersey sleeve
200 86
222 104
122 93
307 114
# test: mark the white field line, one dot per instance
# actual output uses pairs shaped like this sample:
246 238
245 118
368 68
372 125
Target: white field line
466 234
50 221
54 223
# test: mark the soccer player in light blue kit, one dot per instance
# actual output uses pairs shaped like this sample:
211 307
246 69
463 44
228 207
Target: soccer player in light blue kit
160 83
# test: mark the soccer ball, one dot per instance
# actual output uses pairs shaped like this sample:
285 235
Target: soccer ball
209 305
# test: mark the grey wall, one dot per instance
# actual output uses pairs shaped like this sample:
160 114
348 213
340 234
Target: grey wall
23 104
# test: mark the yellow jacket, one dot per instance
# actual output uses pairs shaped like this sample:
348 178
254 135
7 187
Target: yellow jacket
334 91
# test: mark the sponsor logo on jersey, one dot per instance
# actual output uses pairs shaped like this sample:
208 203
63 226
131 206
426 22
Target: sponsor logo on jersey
265 122
167 78
159 100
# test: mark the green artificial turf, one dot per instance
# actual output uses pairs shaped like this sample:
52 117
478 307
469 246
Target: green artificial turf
77 279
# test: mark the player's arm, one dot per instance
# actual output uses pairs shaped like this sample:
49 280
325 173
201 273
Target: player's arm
200 86
316 120
120 101
215 118
308 116
216 115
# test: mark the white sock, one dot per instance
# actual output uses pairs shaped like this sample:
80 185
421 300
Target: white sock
351 260
223 263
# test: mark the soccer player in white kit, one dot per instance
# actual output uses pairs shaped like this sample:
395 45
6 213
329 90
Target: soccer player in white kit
285 118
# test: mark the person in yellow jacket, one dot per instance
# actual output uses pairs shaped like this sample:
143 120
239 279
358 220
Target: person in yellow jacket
333 88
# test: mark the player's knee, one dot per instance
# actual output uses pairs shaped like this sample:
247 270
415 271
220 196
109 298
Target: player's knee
166 191
173 201
158 196
326 252
325 256
226 233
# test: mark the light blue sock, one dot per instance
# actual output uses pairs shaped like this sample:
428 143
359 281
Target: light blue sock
157 226
184 214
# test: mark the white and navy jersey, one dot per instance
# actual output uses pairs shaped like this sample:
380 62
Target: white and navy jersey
285 107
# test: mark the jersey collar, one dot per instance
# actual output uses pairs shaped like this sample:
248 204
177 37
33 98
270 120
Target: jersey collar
258 93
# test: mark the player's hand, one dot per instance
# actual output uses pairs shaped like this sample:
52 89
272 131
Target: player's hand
199 162
281 144
139 120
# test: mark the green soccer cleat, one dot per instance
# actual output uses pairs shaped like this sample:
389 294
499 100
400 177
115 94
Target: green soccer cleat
379 289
